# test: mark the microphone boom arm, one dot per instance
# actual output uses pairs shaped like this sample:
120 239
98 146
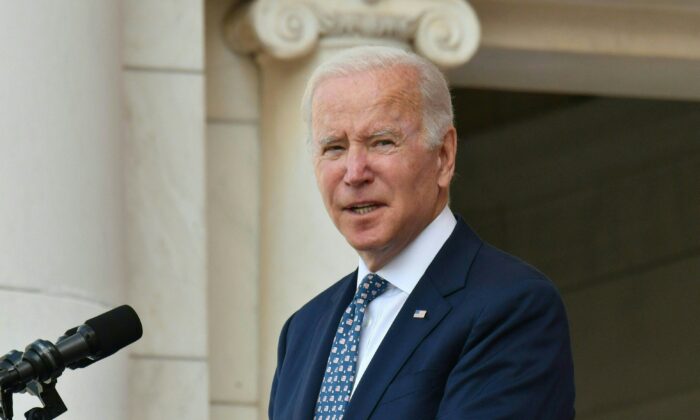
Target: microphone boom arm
40 351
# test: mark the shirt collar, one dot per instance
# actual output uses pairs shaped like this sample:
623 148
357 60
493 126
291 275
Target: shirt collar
408 267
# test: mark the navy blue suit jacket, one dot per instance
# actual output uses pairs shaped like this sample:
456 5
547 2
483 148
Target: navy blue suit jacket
494 345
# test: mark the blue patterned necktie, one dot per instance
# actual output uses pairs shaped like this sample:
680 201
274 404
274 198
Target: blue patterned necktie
339 378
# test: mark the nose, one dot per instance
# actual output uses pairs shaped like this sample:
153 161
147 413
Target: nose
357 168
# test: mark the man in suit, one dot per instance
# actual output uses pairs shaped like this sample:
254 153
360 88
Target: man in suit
434 323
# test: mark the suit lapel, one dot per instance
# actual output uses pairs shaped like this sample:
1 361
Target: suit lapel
322 339
402 338
445 275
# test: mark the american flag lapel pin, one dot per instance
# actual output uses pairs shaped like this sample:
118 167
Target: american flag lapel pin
420 313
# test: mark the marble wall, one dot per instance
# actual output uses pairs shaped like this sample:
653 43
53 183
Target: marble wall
233 211
165 198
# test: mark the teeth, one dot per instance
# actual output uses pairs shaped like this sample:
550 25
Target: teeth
364 209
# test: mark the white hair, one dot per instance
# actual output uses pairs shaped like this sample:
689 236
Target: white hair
436 101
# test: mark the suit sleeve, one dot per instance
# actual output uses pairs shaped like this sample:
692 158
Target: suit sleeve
516 362
281 351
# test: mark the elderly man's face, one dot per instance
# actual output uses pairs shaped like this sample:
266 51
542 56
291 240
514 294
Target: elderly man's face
379 181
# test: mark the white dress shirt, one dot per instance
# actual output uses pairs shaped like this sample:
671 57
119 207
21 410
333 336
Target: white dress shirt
402 273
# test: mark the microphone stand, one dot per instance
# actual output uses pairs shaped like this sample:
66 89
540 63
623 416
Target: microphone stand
53 405
47 394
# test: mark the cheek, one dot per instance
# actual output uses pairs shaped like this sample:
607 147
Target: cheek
419 178
326 179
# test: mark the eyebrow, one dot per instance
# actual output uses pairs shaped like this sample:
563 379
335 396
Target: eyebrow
327 140
384 133
380 133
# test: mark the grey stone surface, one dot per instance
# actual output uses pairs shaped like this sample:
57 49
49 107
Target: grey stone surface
605 198
684 405
636 338
623 225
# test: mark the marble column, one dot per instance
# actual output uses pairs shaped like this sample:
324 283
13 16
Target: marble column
61 189
233 207
165 202
301 253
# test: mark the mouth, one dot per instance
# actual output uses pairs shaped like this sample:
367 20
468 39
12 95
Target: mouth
363 208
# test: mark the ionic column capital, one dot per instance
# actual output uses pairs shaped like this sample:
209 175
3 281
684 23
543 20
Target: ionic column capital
444 31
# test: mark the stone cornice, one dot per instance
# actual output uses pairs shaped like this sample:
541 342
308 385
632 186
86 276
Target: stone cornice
619 28
445 31
636 48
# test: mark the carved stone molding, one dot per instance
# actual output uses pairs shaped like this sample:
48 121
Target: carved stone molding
444 31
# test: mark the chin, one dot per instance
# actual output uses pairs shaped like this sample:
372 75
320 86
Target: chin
365 244
361 245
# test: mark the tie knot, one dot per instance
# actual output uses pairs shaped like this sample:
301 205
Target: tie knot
371 287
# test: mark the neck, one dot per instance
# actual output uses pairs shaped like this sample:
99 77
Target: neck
377 259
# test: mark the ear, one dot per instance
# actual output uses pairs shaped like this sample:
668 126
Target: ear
447 153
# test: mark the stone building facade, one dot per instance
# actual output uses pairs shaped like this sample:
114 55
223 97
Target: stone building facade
154 153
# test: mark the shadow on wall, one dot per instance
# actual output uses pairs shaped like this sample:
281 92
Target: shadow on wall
603 195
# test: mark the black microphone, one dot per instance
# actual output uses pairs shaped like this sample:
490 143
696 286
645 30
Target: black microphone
81 346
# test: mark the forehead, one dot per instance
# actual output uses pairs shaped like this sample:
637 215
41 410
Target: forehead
373 94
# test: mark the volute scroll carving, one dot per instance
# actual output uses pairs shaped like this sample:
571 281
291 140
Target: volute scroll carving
447 38
444 31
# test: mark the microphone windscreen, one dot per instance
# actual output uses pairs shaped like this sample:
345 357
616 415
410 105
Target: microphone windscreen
116 329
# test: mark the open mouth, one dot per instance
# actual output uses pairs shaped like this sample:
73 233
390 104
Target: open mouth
363 208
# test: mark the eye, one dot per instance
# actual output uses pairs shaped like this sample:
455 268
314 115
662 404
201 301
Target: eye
384 143
332 149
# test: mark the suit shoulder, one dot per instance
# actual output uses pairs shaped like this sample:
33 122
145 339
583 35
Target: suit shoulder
494 270
504 291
